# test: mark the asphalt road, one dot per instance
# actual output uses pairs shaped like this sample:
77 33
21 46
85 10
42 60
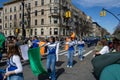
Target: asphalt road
81 70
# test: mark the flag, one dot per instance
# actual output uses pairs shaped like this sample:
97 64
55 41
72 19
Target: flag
35 61
2 39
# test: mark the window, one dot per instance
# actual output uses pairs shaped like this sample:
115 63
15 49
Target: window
15 24
5 17
15 16
0 14
36 22
35 31
6 32
42 21
55 31
36 3
35 12
56 1
42 31
0 27
55 10
14 9
55 20
63 31
0 20
5 25
50 9
20 24
10 17
5 10
50 19
31 31
20 16
42 2
50 1
42 12
10 25
10 9
25 5
29 5
20 7
50 31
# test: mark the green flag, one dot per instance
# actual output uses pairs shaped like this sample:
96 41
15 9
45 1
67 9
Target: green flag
2 39
35 61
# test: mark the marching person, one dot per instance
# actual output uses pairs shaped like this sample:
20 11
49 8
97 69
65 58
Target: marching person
81 45
71 44
51 57
14 71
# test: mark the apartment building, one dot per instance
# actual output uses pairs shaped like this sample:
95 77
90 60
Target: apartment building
1 20
42 18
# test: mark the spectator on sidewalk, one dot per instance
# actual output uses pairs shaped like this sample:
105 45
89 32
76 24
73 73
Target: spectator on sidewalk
105 48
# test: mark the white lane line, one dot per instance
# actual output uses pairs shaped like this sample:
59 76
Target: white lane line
88 53
63 53
77 53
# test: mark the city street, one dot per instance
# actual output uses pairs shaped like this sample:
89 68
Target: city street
81 70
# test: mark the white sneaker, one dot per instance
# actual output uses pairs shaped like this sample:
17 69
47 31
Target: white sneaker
70 66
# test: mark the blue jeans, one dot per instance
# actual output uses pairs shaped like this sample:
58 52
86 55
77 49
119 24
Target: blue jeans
51 60
70 57
80 52
16 77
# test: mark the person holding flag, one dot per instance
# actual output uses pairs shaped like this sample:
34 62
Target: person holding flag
51 57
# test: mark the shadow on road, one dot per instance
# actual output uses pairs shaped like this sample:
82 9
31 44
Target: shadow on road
59 63
43 77
74 62
59 72
46 77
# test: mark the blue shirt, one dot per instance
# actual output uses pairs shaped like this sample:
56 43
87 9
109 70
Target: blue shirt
35 43
71 45
81 44
52 48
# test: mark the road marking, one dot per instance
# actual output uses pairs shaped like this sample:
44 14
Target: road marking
63 53
77 53
88 53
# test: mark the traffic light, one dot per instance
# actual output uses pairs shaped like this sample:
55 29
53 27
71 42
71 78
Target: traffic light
68 14
17 30
103 13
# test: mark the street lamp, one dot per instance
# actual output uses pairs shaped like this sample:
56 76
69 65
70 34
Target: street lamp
103 13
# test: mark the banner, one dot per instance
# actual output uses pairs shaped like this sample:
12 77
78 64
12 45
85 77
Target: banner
24 51
35 61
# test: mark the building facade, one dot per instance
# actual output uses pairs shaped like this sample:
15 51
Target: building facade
99 31
1 20
42 18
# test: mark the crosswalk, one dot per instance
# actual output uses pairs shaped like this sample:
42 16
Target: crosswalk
76 54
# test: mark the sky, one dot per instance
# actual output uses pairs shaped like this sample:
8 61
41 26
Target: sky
92 8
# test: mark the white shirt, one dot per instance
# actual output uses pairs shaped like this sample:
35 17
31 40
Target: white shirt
104 50
16 60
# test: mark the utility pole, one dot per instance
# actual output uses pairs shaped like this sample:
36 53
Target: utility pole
23 27
60 22
103 13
